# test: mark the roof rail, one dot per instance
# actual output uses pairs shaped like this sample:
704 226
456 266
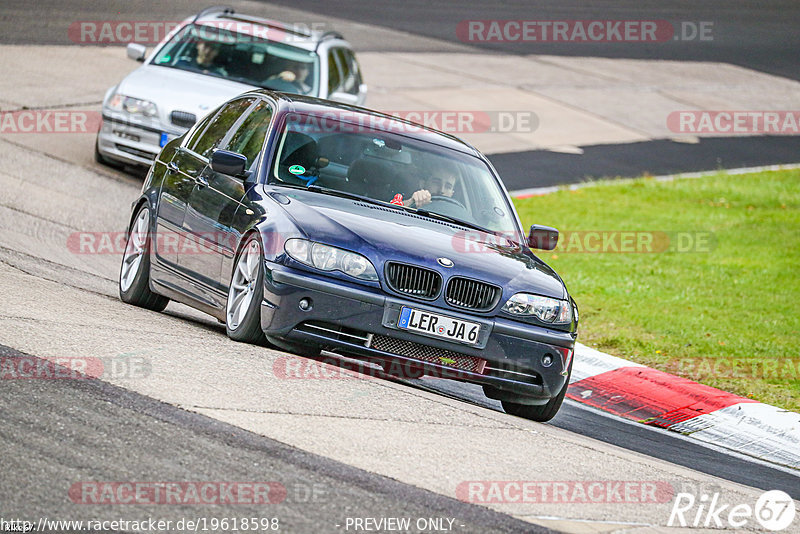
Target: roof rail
328 35
228 10
272 24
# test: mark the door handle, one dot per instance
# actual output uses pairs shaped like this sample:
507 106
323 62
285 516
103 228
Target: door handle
172 167
201 181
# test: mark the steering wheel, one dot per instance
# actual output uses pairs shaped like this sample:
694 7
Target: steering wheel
450 200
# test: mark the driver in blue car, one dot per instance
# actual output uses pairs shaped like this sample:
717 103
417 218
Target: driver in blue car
443 184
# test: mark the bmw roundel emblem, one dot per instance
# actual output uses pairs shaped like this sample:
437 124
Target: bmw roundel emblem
445 262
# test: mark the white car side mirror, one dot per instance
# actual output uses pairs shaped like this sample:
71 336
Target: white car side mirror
136 51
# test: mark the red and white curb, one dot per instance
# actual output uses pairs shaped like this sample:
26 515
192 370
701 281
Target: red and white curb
656 398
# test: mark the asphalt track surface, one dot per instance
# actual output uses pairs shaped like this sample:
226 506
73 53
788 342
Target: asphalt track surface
541 168
116 434
757 35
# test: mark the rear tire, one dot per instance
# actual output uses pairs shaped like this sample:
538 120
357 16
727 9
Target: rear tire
543 412
134 273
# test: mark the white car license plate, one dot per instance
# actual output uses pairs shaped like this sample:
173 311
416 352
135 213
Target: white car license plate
439 325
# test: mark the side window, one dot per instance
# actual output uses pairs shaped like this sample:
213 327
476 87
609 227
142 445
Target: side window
355 70
200 128
351 78
249 138
334 75
219 125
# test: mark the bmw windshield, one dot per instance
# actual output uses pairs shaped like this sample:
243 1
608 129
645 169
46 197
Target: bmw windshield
242 58
330 154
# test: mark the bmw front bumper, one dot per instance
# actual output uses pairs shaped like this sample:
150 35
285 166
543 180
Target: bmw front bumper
131 142
519 361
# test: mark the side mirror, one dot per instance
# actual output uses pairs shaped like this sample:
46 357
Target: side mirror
136 51
230 163
543 237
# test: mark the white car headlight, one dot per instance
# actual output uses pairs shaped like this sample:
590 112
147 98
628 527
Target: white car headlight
545 309
327 258
134 106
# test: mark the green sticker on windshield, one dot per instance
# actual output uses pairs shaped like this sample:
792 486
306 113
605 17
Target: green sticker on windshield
297 169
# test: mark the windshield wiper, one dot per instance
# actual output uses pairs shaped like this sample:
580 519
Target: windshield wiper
338 193
436 215
343 194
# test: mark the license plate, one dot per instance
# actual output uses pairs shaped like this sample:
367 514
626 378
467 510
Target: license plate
437 325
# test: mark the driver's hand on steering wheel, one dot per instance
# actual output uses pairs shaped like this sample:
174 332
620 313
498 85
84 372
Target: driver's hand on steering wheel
287 76
419 198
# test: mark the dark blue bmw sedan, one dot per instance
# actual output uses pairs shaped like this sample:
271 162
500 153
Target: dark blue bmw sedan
318 226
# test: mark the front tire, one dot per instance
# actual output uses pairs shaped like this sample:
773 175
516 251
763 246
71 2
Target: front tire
243 308
541 413
134 273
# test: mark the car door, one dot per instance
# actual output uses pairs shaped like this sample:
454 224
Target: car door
179 179
193 250
216 200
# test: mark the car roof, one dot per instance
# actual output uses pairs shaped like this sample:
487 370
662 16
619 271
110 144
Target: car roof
294 34
290 103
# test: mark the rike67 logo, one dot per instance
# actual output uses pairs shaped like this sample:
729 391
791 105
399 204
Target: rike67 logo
774 510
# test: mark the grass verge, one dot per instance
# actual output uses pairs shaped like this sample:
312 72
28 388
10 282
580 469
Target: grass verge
698 277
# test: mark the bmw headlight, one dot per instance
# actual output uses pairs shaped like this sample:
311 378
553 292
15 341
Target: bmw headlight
545 309
327 258
134 106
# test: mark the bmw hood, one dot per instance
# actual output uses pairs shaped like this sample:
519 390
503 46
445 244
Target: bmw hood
386 234
174 89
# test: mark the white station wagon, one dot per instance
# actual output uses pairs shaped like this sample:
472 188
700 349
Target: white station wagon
208 59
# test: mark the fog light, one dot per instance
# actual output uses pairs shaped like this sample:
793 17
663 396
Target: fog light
305 304
547 360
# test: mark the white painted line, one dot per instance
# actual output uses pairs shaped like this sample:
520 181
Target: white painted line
539 191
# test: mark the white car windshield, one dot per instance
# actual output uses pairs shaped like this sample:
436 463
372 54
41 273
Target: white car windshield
388 166
242 58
